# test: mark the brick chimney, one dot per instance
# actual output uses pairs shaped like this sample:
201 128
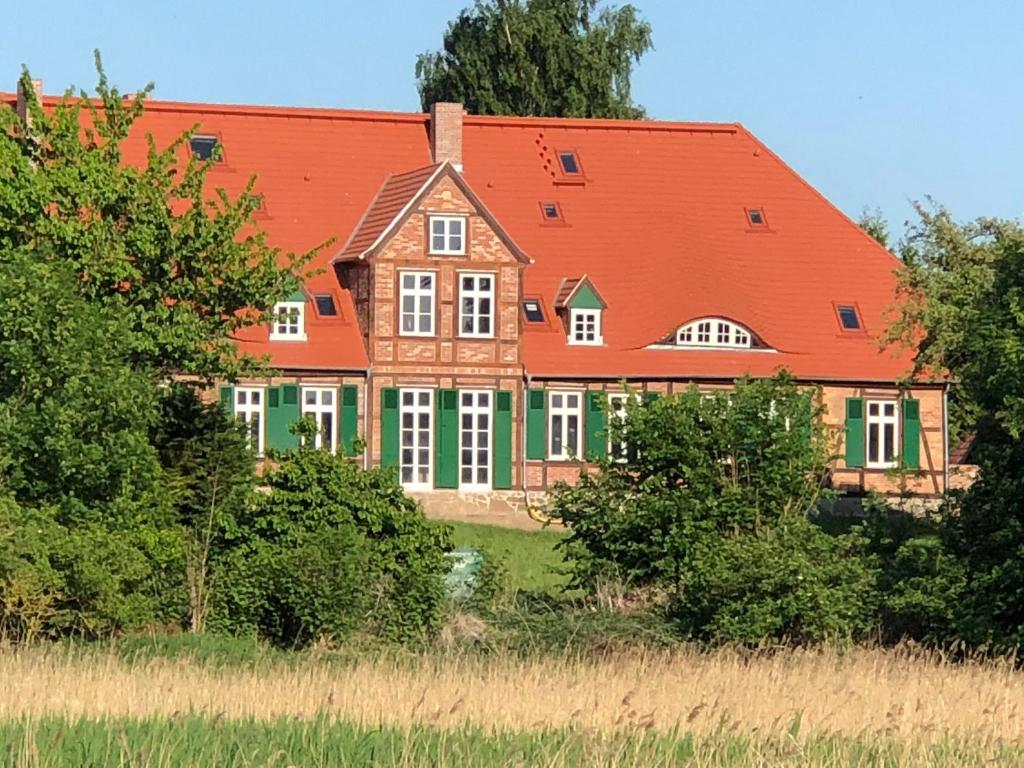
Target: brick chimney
446 133
22 107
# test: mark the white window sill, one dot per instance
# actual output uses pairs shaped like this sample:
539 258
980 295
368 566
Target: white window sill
276 337
446 253
413 335
595 343
886 465
476 336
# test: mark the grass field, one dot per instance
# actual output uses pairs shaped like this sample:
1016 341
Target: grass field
530 558
61 707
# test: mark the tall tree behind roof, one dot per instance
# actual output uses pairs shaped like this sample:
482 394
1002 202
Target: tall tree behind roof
538 57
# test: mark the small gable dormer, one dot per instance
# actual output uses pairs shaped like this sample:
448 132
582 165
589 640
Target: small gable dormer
288 321
582 310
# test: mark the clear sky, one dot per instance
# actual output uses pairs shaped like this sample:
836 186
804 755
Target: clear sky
876 102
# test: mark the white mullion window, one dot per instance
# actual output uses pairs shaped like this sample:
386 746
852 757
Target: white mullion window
448 235
416 433
249 409
475 440
416 304
585 326
289 322
617 413
883 427
476 305
320 403
565 415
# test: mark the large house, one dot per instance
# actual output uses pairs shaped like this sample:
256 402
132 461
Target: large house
495 282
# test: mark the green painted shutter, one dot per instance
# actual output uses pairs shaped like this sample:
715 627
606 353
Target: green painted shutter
536 424
502 473
282 412
349 418
854 432
389 428
446 451
597 427
227 400
912 434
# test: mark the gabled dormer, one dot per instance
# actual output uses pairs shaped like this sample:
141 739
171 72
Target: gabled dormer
288 321
582 310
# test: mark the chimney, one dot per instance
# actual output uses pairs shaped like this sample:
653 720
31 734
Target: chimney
446 133
22 108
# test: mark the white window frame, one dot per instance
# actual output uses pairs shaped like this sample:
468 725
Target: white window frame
619 415
473 410
477 295
578 330
709 332
447 235
562 412
245 411
319 409
876 459
417 292
416 409
293 328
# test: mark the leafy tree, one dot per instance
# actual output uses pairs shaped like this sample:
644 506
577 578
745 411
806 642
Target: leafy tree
874 224
189 270
538 57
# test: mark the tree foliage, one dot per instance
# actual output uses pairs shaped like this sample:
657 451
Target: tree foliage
538 57
873 223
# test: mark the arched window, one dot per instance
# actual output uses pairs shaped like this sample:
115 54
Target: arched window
713 332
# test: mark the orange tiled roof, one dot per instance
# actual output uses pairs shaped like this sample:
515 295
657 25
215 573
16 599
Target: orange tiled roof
658 223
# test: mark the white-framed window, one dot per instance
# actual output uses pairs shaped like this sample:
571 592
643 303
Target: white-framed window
321 403
713 332
565 415
476 305
883 427
417 303
618 450
289 323
448 235
249 409
475 440
585 326
416 432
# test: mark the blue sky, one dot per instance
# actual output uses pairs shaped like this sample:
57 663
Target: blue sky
876 103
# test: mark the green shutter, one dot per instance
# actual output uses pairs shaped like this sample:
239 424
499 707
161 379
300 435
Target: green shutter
854 432
596 426
349 418
536 424
911 434
650 397
282 412
446 450
227 400
502 473
389 427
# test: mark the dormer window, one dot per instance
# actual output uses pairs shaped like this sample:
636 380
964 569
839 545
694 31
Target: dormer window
714 332
585 326
581 308
289 323
448 235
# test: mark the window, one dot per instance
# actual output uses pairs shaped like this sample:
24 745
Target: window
320 404
447 235
713 333
585 326
755 217
883 433
475 440
564 416
325 305
289 323
417 308
570 163
206 148
551 211
416 429
533 311
476 305
849 319
617 414
249 409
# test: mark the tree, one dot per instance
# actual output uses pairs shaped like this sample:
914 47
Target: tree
189 269
874 224
538 57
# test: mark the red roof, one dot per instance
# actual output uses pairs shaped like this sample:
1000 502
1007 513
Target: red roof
658 224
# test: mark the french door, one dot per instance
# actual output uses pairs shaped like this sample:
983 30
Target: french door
416 435
475 417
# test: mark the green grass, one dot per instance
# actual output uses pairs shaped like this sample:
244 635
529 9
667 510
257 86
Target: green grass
529 557
57 742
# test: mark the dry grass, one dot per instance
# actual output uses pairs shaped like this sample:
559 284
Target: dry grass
898 695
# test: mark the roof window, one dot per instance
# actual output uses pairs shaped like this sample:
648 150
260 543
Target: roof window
849 318
552 212
714 332
533 311
325 305
755 217
206 148
570 163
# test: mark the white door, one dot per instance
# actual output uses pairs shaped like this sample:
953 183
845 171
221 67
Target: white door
475 441
416 432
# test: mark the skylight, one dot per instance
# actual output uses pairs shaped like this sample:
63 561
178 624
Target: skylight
755 217
570 163
325 305
849 318
551 211
533 311
205 147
